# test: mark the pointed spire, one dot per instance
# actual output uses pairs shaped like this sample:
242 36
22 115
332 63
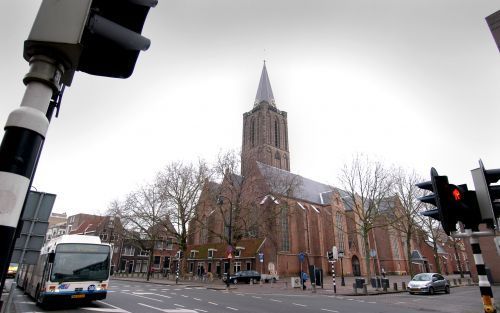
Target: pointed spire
264 92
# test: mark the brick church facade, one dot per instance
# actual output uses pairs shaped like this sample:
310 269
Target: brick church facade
277 216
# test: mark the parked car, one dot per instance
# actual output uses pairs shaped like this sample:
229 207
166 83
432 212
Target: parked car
244 277
428 283
12 271
269 278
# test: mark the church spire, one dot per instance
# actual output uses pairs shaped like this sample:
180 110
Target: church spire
264 92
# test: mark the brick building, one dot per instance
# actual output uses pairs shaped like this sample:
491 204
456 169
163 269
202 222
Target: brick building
281 215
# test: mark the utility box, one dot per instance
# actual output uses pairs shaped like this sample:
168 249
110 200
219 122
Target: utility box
295 281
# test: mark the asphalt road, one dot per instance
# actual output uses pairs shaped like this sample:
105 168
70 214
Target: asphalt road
142 297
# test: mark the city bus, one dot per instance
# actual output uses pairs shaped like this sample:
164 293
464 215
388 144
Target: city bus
71 267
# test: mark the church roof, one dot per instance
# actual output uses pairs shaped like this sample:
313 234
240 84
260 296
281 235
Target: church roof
304 188
264 92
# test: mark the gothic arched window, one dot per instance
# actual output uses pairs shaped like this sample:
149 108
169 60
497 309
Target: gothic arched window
276 134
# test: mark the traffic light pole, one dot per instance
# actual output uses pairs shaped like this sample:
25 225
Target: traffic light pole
484 284
333 277
25 132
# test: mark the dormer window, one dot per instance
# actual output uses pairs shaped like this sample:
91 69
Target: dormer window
237 251
211 253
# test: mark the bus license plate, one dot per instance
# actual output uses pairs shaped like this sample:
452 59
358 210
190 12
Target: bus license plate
78 296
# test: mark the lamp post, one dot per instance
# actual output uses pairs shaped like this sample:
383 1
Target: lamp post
220 202
341 257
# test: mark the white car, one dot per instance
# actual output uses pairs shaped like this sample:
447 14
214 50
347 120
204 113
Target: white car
428 283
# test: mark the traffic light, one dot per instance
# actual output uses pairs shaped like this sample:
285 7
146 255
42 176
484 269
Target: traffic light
487 195
453 203
98 37
330 255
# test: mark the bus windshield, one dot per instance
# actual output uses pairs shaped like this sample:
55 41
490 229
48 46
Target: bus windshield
80 262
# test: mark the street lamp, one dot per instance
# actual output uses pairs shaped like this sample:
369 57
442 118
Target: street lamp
341 257
220 202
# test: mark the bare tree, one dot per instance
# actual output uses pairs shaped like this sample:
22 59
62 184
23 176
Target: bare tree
142 214
180 187
368 186
407 216
249 206
433 230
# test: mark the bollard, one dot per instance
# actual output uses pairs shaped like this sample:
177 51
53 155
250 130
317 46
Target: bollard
403 286
395 286
365 290
355 289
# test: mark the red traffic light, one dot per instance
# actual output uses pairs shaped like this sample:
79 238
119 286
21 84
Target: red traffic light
457 195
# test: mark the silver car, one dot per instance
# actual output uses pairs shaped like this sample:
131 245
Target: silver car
428 283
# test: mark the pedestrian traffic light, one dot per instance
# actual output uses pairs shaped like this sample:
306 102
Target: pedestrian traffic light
98 37
453 203
488 196
330 255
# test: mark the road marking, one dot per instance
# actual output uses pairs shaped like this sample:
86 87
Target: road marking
188 288
228 307
177 289
132 294
165 289
200 310
184 296
350 299
299 304
197 299
360 300
212 303
199 288
169 310
275 300
126 290
114 310
181 306
173 293
256 297
400 302
371 302
330 310
25 302
240 294
152 289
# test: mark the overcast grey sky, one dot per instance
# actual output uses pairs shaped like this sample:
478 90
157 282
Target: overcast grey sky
414 83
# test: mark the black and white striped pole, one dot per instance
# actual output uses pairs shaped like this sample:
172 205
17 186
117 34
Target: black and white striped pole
335 255
25 132
484 284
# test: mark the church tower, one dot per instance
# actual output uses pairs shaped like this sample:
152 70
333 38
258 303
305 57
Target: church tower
265 131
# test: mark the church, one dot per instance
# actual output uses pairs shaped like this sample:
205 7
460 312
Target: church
268 219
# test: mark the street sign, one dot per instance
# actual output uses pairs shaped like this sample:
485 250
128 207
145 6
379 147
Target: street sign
261 257
335 253
301 257
373 253
35 223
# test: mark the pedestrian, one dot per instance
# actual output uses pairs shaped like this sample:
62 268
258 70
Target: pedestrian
304 279
383 272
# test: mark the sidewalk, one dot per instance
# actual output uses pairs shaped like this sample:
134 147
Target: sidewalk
284 285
